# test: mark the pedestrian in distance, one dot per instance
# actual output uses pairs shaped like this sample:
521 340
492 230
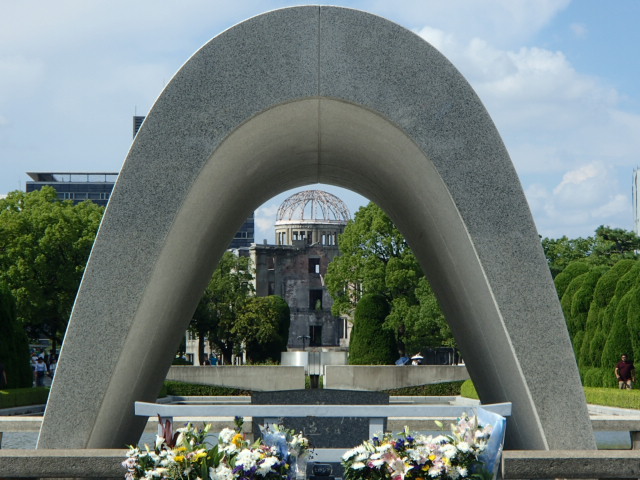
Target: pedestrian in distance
40 371
625 373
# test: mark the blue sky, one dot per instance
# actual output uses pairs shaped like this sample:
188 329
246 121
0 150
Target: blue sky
560 78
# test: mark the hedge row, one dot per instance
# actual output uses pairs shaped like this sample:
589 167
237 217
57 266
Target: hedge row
20 397
192 390
447 389
601 305
598 377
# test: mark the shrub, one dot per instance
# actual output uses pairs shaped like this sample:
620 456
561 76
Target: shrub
564 278
446 389
193 390
14 345
618 340
606 286
592 377
567 297
576 341
633 320
583 297
370 343
596 346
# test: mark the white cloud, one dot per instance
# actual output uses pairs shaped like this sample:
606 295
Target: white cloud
579 30
265 218
500 22
586 197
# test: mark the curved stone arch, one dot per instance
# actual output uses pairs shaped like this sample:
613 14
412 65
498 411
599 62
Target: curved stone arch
294 97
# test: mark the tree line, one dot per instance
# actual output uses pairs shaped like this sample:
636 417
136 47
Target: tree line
45 243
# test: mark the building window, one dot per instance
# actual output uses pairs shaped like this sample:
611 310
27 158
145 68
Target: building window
314 265
271 263
315 334
315 299
272 288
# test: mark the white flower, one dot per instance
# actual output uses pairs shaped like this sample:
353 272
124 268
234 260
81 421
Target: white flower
226 435
265 466
464 447
440 439
348 454
357 465
449 450
247 458
434 471
222 472
462 471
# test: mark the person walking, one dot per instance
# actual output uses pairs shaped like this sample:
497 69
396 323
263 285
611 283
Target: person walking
625 373
40 371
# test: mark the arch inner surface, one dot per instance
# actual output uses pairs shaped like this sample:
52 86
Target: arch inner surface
418 144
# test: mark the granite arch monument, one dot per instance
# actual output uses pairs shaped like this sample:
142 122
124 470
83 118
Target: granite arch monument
300 96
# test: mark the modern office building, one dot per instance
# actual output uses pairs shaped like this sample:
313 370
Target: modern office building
97 187
76 186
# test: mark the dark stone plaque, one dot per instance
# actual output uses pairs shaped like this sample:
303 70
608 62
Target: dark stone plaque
331 432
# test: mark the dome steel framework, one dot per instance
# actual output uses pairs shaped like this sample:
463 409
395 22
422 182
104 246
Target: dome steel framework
313 206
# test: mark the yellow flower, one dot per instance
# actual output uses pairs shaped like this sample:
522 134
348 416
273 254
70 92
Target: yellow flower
432 457
238 439
181 449
179 458
200 455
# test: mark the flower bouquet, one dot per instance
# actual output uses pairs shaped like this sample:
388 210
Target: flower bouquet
420 457
186 455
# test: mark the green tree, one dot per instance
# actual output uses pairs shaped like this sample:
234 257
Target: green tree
606 247
370 344
263 327
376 259
562 251
44 247
222 302
614 244
14 345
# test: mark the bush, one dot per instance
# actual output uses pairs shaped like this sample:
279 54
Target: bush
14 345
592 376
633 320
307 382
618 339
193 390
564 278
433 390
20 397
370 343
